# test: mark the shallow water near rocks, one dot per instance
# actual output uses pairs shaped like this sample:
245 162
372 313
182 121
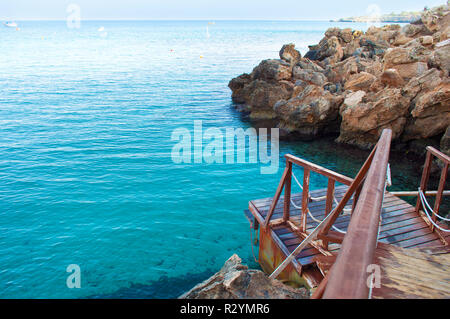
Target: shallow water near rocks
86 175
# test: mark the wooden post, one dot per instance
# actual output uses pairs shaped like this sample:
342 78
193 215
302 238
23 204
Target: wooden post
305 198
329 205
437 203
330 196
424 180
287 191
275 198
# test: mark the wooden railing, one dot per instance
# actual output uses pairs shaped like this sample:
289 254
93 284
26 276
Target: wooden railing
348 276
286 182
431 151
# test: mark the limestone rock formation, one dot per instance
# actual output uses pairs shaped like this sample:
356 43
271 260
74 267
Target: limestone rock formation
236 281
364 119
308 113
358 82
289 54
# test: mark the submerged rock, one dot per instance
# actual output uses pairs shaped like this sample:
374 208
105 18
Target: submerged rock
236 281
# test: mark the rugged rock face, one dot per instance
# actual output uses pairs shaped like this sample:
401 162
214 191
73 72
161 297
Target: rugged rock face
236 281
364 119
311 111
445 142
359 83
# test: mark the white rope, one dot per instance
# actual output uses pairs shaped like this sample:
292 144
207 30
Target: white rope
429 207
372 278
387 183
314 199
388 176
317 199
345 210
424 200
315 219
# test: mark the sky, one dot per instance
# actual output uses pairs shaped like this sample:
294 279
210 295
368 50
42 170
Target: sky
203 9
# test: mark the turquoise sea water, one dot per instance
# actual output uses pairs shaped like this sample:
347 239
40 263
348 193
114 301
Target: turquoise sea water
86 175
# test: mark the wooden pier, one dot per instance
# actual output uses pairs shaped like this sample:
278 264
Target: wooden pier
330 239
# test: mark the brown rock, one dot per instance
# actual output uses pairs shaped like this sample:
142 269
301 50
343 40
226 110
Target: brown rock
396 56
430 21
430 105
307 64
309 76
343 35
261 96
352 100
401 39
431 113
413 30
289 54
341 71
236 281
442 57
376 86
272 70
392 78
363 122
426 40
360 81
310 112
424 83
330 51
411 70
237 84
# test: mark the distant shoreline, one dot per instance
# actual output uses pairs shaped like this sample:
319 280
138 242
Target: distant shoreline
405 17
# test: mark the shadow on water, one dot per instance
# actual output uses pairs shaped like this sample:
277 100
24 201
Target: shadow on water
163 288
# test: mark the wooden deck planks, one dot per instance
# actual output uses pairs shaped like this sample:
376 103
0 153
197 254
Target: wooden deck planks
411 273
400 225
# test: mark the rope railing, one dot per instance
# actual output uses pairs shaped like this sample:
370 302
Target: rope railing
427 206
285 183
317 199
422 203
315 219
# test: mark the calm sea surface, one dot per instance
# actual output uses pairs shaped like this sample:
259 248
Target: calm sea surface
86 175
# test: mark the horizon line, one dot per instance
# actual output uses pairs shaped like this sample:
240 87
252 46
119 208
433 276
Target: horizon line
170 19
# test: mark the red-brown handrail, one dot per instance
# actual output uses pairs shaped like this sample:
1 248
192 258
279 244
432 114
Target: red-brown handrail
348 276
285 183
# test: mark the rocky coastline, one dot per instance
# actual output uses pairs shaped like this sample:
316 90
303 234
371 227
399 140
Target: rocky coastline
354 84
